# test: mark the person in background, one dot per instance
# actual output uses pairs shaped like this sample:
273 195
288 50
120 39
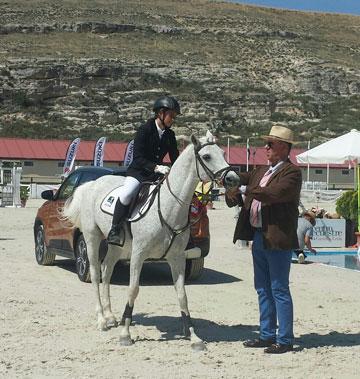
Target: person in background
305 233
269 217
152 142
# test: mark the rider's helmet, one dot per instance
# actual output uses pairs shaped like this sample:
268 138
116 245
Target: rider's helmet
166 102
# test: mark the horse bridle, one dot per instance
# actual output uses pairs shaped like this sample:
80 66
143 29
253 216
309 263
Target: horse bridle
213 176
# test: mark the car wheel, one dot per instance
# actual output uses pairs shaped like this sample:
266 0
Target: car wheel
43 257
82 260
194 268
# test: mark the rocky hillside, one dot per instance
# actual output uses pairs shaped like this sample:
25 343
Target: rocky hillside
92 68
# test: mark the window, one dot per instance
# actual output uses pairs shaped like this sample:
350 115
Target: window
318 172
28 163
68 187
61 164
345 172
88 176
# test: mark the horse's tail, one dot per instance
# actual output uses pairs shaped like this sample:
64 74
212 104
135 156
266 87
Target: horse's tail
72 207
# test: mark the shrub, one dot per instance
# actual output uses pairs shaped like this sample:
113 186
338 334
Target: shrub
24 192
347 205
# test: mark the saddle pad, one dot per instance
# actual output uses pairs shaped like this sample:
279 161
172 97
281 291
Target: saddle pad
109 201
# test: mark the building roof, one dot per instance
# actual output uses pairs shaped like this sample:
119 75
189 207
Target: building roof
37 149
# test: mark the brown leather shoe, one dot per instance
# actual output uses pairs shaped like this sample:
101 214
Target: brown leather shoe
258 342
278 348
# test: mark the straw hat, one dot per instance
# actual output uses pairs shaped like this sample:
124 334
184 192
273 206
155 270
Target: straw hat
280 133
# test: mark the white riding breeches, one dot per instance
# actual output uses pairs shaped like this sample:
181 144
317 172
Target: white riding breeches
128 190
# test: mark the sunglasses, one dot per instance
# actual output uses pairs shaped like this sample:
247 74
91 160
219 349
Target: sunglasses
271 144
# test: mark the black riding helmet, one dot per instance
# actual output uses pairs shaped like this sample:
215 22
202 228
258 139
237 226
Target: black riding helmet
167 102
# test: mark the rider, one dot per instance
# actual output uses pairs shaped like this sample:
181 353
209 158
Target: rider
152 142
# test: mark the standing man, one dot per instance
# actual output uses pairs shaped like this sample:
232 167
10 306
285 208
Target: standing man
269 218
152 142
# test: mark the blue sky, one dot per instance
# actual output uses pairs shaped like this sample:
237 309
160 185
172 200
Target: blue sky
338 6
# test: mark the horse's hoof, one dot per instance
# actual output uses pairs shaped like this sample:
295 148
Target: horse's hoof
126 341
112 323
198 346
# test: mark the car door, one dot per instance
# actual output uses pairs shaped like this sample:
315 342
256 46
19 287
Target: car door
60 232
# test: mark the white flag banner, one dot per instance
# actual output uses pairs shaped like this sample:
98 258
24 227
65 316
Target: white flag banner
70 156
129 153
99 152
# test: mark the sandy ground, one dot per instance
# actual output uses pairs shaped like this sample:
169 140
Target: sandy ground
47 318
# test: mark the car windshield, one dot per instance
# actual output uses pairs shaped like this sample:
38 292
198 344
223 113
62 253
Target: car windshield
68 187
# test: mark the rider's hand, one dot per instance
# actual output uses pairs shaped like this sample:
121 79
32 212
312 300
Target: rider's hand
162 169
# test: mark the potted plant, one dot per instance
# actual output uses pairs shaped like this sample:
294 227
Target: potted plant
347 207
24 194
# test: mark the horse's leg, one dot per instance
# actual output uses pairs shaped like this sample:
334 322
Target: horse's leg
136 263
107 268
177 265
93 240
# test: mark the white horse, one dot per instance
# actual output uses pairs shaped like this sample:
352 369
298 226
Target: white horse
161 234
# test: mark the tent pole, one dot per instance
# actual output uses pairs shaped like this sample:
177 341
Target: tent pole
355 175
358 194
308 164
327 176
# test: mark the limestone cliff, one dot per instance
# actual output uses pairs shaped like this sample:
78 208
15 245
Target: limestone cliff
94 68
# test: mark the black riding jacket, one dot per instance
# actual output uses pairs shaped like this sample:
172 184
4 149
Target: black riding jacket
150 150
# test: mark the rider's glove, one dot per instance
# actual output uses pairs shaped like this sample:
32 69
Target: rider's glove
162 169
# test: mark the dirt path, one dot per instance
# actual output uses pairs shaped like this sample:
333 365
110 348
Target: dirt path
47 318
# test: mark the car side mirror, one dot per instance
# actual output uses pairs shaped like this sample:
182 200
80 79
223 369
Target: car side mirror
47 195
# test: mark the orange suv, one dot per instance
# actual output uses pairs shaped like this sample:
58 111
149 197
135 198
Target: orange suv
53 236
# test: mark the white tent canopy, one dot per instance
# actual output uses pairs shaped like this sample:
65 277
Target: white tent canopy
345 148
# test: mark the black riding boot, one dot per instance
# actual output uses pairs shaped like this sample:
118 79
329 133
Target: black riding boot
120 213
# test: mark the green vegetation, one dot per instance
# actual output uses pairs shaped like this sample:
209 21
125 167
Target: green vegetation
347 205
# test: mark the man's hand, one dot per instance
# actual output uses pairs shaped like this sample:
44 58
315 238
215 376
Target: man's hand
162 169
232 193
312 250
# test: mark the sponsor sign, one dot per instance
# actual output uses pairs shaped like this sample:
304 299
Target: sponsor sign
70 156
99 152
129 153
329 233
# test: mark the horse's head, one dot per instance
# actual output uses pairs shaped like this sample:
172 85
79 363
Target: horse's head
211 163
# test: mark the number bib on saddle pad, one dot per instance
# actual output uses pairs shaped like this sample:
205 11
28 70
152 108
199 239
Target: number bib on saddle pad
140 208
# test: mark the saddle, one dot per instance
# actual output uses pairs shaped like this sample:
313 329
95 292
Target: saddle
143 201
139 205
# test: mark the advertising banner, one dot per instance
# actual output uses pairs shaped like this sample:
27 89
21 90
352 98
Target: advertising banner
329 233
99 152
129 152
70 156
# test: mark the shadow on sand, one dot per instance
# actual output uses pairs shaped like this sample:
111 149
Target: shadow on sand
333 338
155 274
208 331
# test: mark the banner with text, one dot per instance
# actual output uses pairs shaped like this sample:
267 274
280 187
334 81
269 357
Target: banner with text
329 233
129 152
70 156
99 152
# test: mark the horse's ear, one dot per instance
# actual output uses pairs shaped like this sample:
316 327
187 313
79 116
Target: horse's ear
210 137
195 141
